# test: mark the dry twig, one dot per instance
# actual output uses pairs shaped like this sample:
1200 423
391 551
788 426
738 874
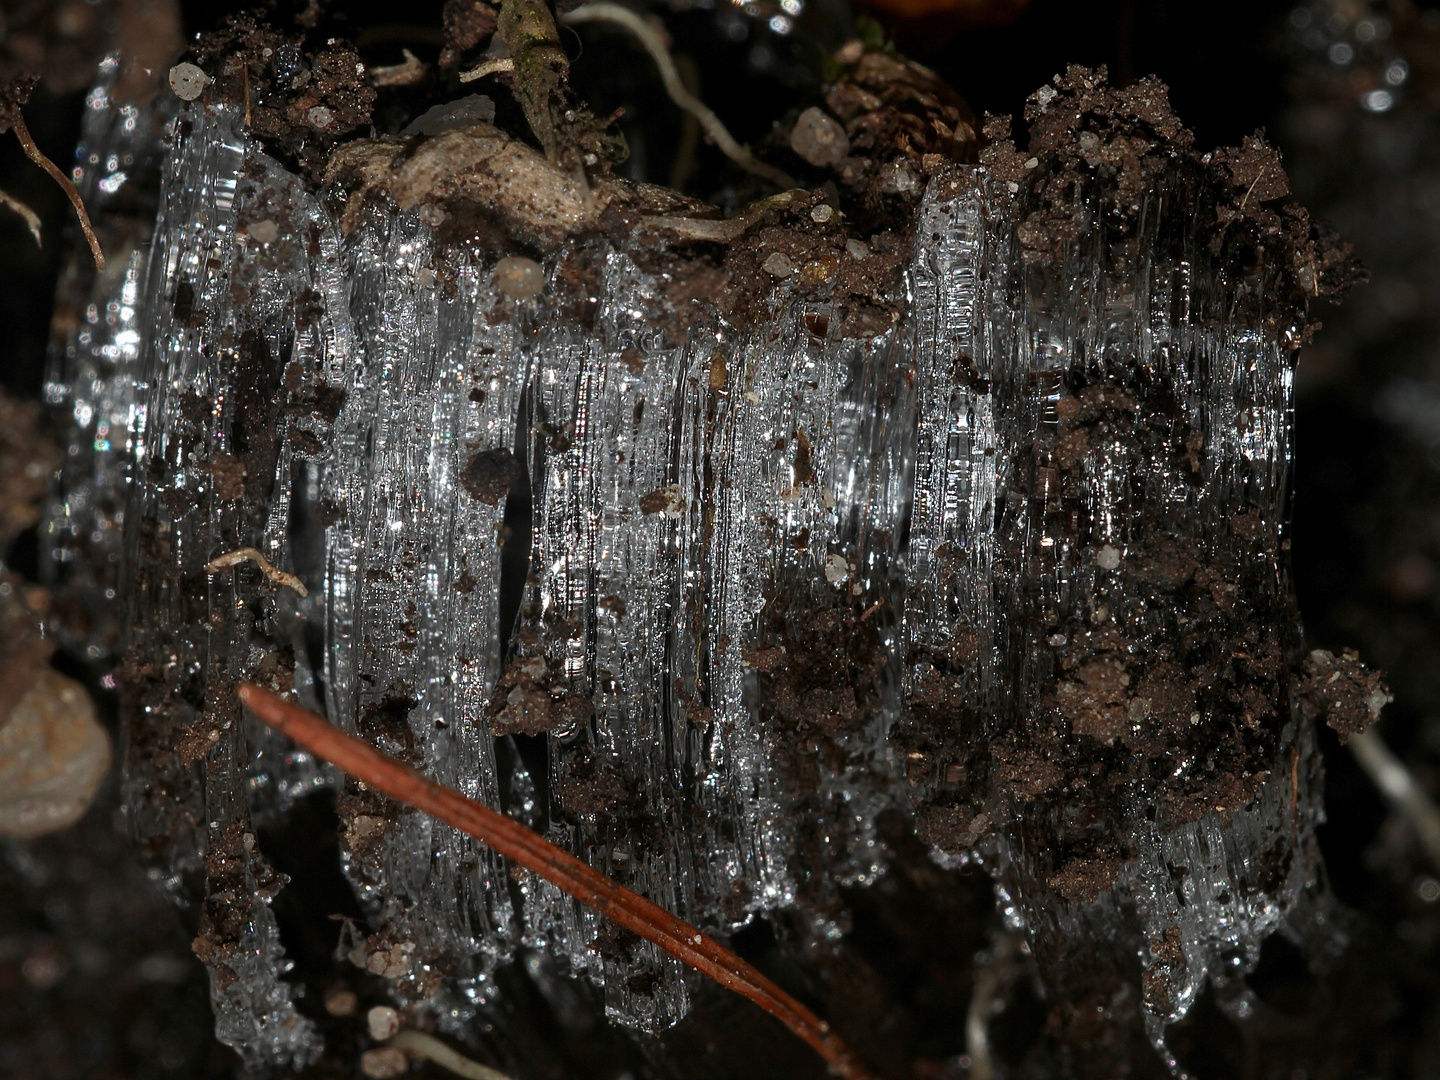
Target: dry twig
603 11
13 95
539 856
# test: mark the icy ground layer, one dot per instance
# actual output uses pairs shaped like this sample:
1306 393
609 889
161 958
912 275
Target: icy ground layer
756 554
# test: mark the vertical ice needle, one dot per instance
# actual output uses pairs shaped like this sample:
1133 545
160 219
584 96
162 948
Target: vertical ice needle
531 851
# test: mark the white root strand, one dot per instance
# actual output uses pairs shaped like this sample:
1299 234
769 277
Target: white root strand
418 1044
1398 784
603 11
269 569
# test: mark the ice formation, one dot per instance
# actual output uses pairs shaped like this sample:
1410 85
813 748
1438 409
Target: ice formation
1013 563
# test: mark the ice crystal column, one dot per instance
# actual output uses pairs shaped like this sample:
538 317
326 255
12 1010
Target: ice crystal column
1107 698
412 586
94 361
228 318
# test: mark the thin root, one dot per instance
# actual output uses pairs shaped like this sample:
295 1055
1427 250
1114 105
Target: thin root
33 153
603 11
32 219
1398 784
990 980
536 854
410 73
418 1044
269 569
489 67
724 230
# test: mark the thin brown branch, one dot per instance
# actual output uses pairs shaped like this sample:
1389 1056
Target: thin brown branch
531 851
33 153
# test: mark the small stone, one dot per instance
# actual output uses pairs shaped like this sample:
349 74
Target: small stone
837 569
1108 558
857 249
819 139
320 117
518 277
53 756
391 963
341 1003
822 213
383 1022
897 179
188 81
490 474
384 1063
267 232
430 214
778 265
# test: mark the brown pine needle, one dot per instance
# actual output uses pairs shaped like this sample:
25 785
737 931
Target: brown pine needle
32 151
539 856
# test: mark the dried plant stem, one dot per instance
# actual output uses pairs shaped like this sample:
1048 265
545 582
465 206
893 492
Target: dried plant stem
418 1044
1398 784
32 151
603 11
539 856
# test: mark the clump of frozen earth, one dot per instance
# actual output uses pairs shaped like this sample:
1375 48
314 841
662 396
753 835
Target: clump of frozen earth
780 577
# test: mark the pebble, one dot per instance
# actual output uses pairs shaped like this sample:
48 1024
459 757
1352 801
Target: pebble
819 139
1108 558
518 277
267 232
188 81
778 265
897 179
53 756
837 569
384 1063
341 1002
383 1022
822 213
857 249
320 117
